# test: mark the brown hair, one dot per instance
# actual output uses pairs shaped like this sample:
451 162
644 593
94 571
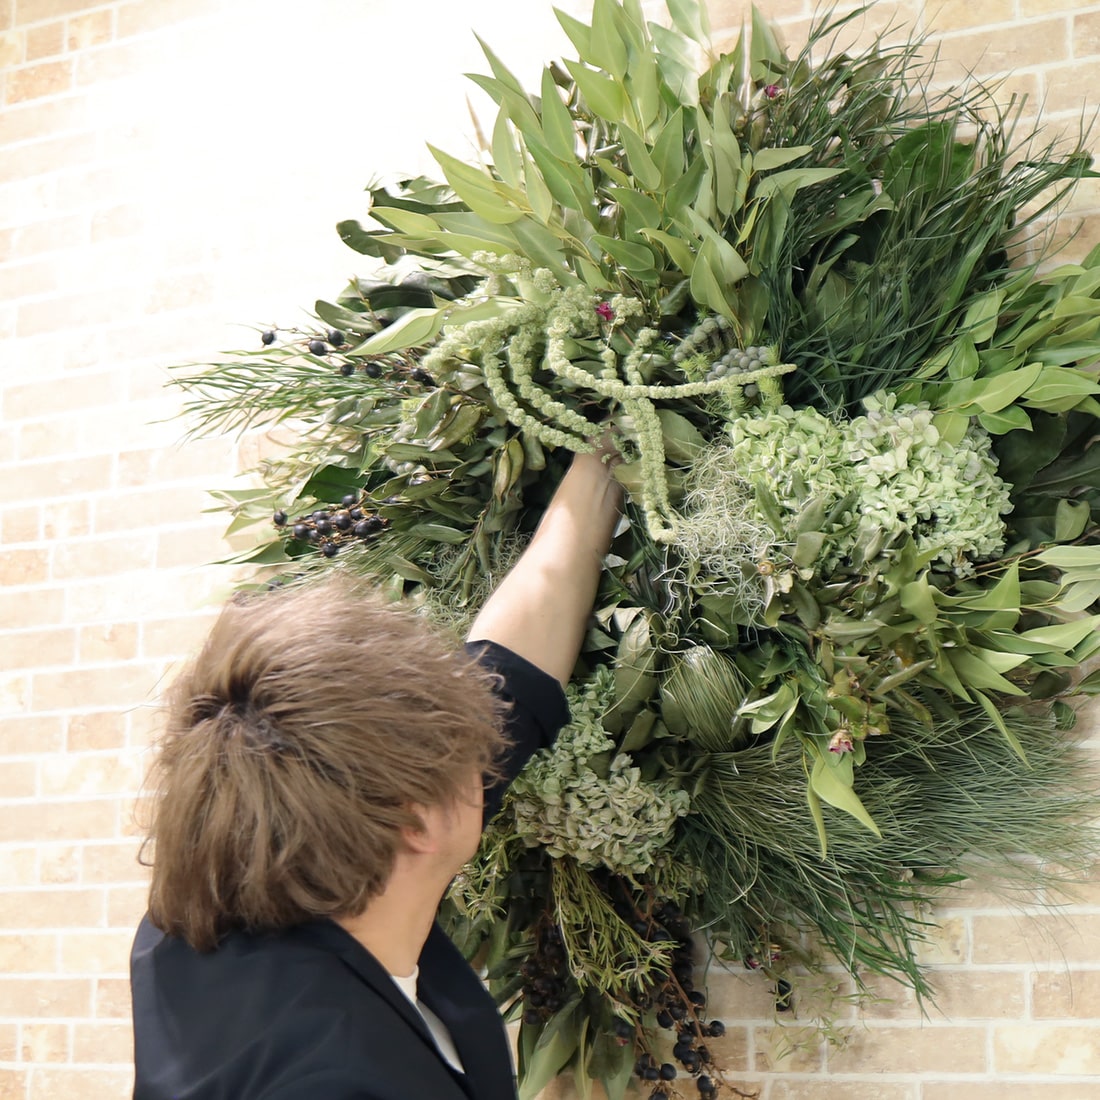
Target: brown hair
297 741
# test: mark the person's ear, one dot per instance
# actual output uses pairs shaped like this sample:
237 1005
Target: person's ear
423 839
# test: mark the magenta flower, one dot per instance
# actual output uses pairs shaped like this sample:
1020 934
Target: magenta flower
772 90
605 311
841 742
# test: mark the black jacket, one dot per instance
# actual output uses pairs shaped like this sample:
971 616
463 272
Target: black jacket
309 1013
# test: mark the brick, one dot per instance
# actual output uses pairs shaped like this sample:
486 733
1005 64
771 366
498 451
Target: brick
23 567
112 864
1065 995
89 775
1002 49
181 291
50 235
14 692
41 157
33 733
63 1083
149 508
65 519
90 731
59 435
76 311
45 40
175 637
112 999
18 867
56 821
12 48
7 14
790 1049
9 1047
32 399
93 687
35 648
949 942
1032 1089
953 15
1074 237
28 954
93 28
47 78
974 994
118 61
36 11
29 121
176 463
897 1050
18 780
102 557
108 642
183 548
34 998
45 1042
59 864
1046 1048
826 1089
29 280
124 220
14 1084
103 1042
126 905
1086 34
105 952
44 480
151 15
32 606
1043 940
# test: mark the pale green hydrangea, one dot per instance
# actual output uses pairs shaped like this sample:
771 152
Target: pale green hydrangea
879 476
603 815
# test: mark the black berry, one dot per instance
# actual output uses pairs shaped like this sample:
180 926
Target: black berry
347 369
418 374
301 531
268 337
668 1071
279 519
341 521
330 549
324 526
372 370
336 338
348 499
716 1028
318 347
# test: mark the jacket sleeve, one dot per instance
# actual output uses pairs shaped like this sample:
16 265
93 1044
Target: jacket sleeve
537 710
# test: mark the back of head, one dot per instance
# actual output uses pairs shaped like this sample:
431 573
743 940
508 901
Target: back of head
297 741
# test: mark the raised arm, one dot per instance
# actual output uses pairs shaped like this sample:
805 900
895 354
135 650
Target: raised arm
540 609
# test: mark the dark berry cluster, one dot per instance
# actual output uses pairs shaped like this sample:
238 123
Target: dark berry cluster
355 519
680 1007
333 340
545 975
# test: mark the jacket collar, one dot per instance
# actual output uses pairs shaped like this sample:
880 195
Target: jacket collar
329 936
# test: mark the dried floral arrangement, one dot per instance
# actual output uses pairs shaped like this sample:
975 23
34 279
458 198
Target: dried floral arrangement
831 669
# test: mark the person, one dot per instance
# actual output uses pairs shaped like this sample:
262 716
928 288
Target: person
326 770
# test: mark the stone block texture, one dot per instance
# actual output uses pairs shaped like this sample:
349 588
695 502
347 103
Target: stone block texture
170 175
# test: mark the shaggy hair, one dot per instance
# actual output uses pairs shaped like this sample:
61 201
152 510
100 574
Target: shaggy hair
298 742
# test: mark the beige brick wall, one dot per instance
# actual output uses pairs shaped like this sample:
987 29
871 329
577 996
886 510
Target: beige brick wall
170 170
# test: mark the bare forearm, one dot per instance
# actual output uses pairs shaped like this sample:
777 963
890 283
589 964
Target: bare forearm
541 607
